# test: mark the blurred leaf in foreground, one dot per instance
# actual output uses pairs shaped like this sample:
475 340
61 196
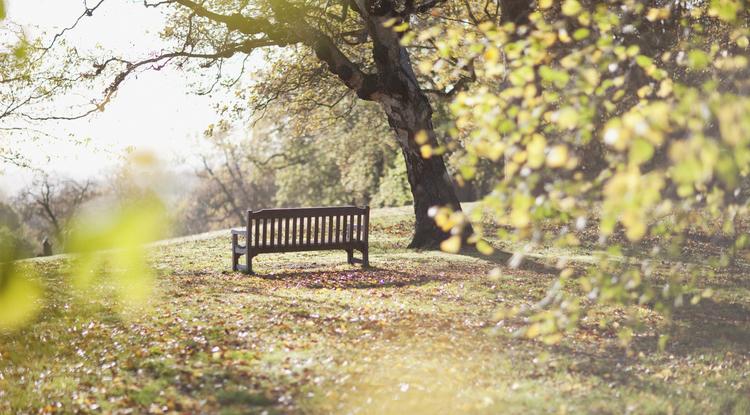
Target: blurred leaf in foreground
114 240
19 291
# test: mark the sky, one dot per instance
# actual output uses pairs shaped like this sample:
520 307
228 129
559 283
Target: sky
156 112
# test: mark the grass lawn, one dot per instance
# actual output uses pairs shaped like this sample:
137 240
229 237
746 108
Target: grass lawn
413 335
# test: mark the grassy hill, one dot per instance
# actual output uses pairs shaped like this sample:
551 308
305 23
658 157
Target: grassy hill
416 334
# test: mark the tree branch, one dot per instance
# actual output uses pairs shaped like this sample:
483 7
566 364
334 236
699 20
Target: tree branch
86 13
245 47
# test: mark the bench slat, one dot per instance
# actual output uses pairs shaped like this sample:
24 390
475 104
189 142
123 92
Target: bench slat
338 228
303 248
294 231
286 231
350 235
330 229
265 232
257 231
308 242
304 212
272 232
317 226
280 231
359 227
345 223
301 230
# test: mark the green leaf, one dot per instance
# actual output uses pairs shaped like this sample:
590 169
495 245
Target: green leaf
535 150
698 59
641 151
484 248
571 7
522 76
567 118
725 9
663 339
123 231
468 171
2 9
644 61
559 78
19 297
581 33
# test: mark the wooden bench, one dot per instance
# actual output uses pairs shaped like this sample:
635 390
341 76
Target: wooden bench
302 229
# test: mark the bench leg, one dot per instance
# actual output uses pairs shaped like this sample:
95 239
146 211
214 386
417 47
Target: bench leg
235 255
350 256
366 258
249 264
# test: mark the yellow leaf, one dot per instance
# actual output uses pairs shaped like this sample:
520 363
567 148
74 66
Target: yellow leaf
551 339
557 156
665 88
520 156
496 151
484 247
644 91
390 22
533 331
421 137
451 245
571 7
401 27
535 151
655 14
563 35
491 55
520 216
426 151
143 158
567 118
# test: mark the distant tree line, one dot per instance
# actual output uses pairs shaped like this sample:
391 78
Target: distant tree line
327 158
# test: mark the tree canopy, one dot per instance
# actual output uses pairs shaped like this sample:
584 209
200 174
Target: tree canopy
621 127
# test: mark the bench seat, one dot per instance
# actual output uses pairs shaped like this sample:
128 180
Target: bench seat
302 229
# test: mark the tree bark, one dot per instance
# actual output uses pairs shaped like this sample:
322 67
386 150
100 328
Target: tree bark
429 180
409 112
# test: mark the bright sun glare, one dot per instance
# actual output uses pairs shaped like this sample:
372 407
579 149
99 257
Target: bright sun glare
158 112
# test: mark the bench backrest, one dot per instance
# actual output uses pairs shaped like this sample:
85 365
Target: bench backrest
275 230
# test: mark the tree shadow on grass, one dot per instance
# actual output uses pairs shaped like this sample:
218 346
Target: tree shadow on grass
709 328
696 330
706 326
354 279
503 258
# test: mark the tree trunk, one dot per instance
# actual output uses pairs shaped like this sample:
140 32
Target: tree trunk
409 112
430 186
429 180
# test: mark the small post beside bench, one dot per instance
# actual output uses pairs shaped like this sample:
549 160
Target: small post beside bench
302 229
